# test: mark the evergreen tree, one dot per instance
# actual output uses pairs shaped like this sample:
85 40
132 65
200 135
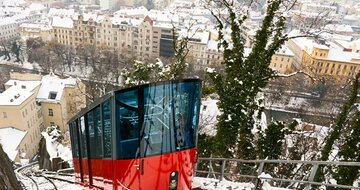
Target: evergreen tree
16 49
270 145
336 131
179 65
346 175
243 79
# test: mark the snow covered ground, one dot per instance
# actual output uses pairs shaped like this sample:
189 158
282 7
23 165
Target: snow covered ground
214 184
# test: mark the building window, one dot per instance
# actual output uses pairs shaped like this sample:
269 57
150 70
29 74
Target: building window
51 112
52 95
52 123
4 115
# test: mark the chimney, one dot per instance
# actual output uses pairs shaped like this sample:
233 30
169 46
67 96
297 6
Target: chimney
23 87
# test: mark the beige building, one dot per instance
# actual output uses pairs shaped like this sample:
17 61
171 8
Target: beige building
36 30
19 110
322 59
32 102
60 99
283 61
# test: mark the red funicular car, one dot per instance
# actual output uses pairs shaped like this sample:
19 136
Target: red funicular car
142 137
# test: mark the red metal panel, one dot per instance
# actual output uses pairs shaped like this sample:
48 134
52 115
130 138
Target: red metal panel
157 170
107 173
126 174
85 171
96 167
77 171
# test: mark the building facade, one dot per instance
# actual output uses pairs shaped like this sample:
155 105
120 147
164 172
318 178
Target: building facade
324 59
60 99
20 111
31 102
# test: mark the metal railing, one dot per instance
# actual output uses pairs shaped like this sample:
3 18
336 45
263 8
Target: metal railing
222 163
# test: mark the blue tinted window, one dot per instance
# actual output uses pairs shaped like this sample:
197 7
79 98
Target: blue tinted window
74 142
107 129
158 120
186 106
91 134
170 117
127 124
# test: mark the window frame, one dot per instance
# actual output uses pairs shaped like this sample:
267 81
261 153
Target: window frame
50 112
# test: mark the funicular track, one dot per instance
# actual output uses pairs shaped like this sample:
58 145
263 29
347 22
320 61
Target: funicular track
32 179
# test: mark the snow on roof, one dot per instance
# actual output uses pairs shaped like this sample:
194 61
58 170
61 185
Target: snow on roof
342 56
61 12
339 28
163 25
10 138
99 18
284 50
164 17
308 44
116 20
7 21
13 2
32 27
139 11
52 87
64 22
37 6
87 16
195 36
343 44
18 92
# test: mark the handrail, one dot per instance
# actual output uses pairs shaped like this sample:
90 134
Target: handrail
308 182
286 161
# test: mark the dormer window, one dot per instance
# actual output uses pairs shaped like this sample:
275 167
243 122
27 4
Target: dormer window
52 95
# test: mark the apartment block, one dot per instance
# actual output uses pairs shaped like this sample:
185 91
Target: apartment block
283 61
36 30
20 111
324 58
60 99
9 25
31 102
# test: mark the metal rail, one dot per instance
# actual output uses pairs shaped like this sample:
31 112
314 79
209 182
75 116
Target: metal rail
222 162
24 171
20 173
50 180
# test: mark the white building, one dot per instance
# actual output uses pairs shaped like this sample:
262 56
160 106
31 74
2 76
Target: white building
107 4
9 25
